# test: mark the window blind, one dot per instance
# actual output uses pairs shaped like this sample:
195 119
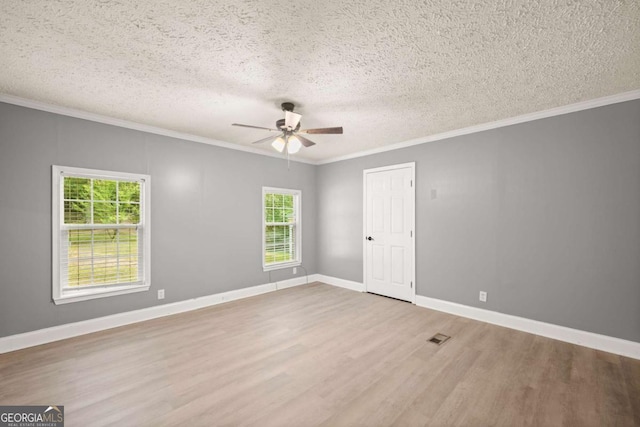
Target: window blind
281 221
101 232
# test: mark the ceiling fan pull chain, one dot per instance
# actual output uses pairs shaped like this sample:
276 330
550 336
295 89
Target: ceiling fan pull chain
286 147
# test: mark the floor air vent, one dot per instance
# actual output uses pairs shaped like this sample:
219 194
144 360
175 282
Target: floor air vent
439 338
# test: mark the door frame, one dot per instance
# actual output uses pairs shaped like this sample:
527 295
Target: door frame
412 211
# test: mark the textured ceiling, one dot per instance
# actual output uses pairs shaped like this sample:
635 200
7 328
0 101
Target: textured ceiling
387 71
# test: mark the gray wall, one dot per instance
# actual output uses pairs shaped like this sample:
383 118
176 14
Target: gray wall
544 216
206 213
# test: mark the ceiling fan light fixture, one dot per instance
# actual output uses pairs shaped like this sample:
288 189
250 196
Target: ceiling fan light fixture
278 144
294 145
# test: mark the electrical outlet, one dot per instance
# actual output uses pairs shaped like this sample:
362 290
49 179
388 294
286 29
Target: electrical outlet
483 296
295 270
160 293
434 194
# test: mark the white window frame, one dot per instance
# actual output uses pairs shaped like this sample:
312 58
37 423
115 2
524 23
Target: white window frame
64 296
298 246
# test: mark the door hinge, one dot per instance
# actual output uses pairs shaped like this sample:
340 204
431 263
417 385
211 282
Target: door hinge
411 285
411 183
411 233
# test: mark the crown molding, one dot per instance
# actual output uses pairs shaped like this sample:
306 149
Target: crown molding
99 118
529 117
558 111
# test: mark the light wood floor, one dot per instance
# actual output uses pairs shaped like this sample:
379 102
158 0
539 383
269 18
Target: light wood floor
320 355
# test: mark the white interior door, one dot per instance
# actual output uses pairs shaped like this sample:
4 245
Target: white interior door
389 218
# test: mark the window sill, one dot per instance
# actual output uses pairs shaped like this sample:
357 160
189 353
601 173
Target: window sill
87 294
281 266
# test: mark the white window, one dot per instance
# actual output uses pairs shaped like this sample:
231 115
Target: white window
101 233
281 231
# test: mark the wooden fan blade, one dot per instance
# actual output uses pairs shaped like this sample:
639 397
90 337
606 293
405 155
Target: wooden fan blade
322 130
255 127
291 119
306 142
267 139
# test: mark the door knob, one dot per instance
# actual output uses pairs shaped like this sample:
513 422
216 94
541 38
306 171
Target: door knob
369 238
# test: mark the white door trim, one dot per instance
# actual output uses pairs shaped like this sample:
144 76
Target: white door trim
412 166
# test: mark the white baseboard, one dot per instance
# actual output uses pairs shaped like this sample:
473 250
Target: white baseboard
70 330
342 283
549 330
295 281
562 333
574 336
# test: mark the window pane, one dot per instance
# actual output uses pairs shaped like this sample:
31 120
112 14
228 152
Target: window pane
277 215
279 243
104 213
79 243
105 252
287 201
79 267
77 212
104 190
77 188
78 209
102 257
288 215
129 191
129 213
128 255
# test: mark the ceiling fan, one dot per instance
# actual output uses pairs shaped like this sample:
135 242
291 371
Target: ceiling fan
290 137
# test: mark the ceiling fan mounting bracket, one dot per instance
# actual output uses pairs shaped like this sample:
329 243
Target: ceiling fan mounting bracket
287 106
